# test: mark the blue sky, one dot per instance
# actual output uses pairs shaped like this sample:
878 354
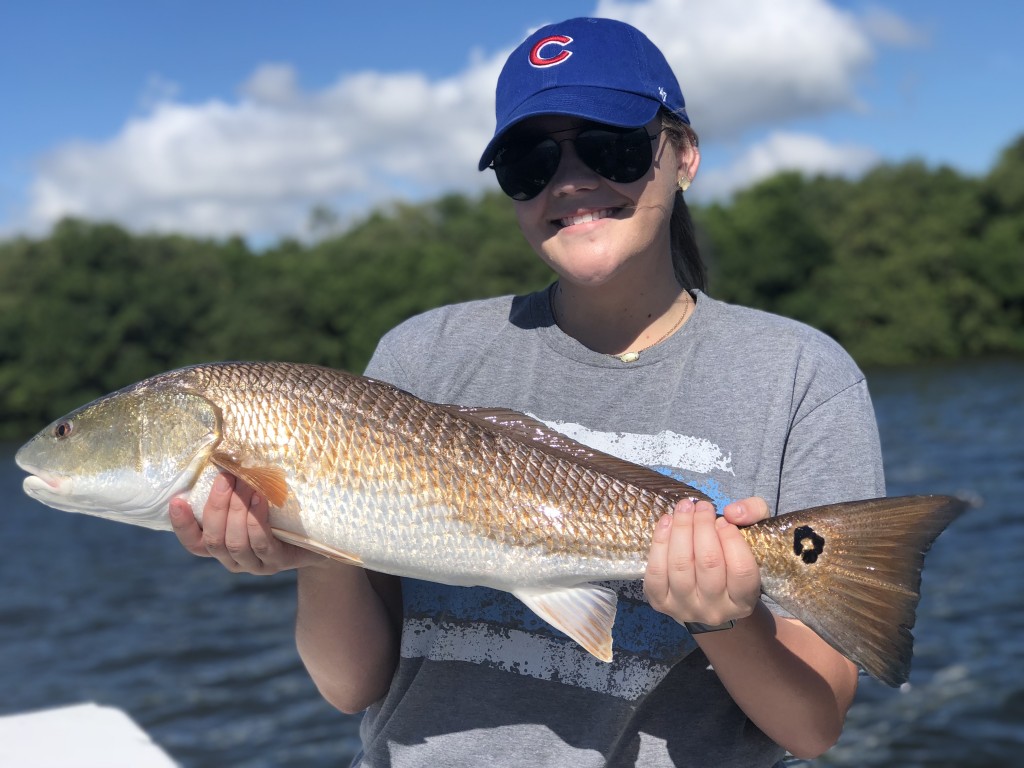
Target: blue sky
238 117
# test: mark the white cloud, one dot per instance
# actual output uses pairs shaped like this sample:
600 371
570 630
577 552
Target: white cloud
258 164
272 84
748 63
780 151
157 90
883 25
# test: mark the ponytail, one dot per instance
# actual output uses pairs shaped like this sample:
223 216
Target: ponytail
686 259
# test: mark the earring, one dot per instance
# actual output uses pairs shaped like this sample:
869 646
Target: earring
684 183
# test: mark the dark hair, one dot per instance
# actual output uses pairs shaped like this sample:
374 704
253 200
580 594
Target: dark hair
686 259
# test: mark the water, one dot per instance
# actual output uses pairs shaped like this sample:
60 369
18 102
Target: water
205 660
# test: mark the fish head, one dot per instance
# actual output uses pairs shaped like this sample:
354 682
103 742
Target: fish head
123 456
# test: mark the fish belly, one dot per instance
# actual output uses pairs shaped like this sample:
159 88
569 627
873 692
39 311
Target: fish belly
404 537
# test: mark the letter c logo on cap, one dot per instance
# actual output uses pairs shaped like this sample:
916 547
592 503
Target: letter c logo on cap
538 60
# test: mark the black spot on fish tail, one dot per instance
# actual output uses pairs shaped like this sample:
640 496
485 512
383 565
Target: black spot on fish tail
807 544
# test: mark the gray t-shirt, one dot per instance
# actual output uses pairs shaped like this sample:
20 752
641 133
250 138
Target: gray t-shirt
737 403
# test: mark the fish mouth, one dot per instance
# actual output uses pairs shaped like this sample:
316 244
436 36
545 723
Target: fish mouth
43 485
59 492
40 478
37 480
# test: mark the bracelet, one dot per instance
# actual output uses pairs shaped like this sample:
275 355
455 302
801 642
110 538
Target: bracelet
696 628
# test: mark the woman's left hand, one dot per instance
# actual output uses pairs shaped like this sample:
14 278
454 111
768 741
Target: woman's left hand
700 568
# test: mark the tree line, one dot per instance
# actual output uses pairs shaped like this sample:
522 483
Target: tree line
906 264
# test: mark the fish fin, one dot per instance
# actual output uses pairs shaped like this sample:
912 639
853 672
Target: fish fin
585 613
529 431
852 573
270 482
305 542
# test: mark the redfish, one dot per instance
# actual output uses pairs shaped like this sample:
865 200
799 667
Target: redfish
370 475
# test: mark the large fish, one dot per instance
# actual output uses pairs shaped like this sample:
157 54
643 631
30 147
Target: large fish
365 473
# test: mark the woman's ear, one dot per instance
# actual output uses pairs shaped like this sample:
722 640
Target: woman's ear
689 162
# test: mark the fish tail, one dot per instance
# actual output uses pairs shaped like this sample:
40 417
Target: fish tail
852 573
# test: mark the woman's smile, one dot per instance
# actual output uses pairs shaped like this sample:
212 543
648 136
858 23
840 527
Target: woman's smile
585 217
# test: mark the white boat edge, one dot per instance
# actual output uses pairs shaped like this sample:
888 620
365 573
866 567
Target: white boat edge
87 735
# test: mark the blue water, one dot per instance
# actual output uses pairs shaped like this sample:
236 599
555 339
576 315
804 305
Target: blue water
205 660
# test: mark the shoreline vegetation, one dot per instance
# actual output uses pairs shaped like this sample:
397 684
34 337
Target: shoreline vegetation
905 265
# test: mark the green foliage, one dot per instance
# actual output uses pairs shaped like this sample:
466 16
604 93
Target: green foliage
907 264
767 244
92 308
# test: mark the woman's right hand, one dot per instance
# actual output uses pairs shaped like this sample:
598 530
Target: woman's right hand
347 620
236 531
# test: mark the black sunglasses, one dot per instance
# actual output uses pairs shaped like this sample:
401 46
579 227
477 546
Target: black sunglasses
525 166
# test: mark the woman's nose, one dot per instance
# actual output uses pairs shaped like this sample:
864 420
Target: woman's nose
572 173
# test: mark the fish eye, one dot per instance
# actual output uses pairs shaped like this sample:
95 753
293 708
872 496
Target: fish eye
63 429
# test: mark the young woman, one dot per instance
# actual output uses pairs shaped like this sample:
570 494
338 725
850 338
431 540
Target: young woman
624 352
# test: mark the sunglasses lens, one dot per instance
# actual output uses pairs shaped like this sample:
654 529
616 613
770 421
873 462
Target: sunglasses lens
524 168
620 156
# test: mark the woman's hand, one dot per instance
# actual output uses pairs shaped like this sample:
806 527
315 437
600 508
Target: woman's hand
700 568
236 531
788 681
347 620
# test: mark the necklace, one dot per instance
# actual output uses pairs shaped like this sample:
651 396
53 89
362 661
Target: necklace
633 355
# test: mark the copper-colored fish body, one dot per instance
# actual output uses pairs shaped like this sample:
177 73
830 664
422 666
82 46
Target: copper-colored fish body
399 479
368 474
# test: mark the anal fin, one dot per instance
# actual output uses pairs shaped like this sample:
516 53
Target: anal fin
585 613
312 545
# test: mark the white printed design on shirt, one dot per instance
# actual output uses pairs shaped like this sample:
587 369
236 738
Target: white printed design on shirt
665 449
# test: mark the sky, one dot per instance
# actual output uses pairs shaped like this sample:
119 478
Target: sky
226 117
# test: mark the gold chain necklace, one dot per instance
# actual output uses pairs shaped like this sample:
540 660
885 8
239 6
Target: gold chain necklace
633 356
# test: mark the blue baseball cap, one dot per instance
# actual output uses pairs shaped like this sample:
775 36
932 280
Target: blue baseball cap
596 69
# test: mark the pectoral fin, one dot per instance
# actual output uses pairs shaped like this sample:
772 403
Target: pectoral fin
305 542
270 482
585 613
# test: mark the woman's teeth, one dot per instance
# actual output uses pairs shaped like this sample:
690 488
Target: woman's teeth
584 218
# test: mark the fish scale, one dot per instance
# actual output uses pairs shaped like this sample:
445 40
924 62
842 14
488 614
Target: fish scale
367 474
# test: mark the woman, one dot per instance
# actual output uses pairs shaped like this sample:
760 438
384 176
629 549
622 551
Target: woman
625 352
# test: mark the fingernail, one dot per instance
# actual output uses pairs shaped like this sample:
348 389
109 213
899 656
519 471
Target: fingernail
180 511
665 521
222 483
254 501
721 522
